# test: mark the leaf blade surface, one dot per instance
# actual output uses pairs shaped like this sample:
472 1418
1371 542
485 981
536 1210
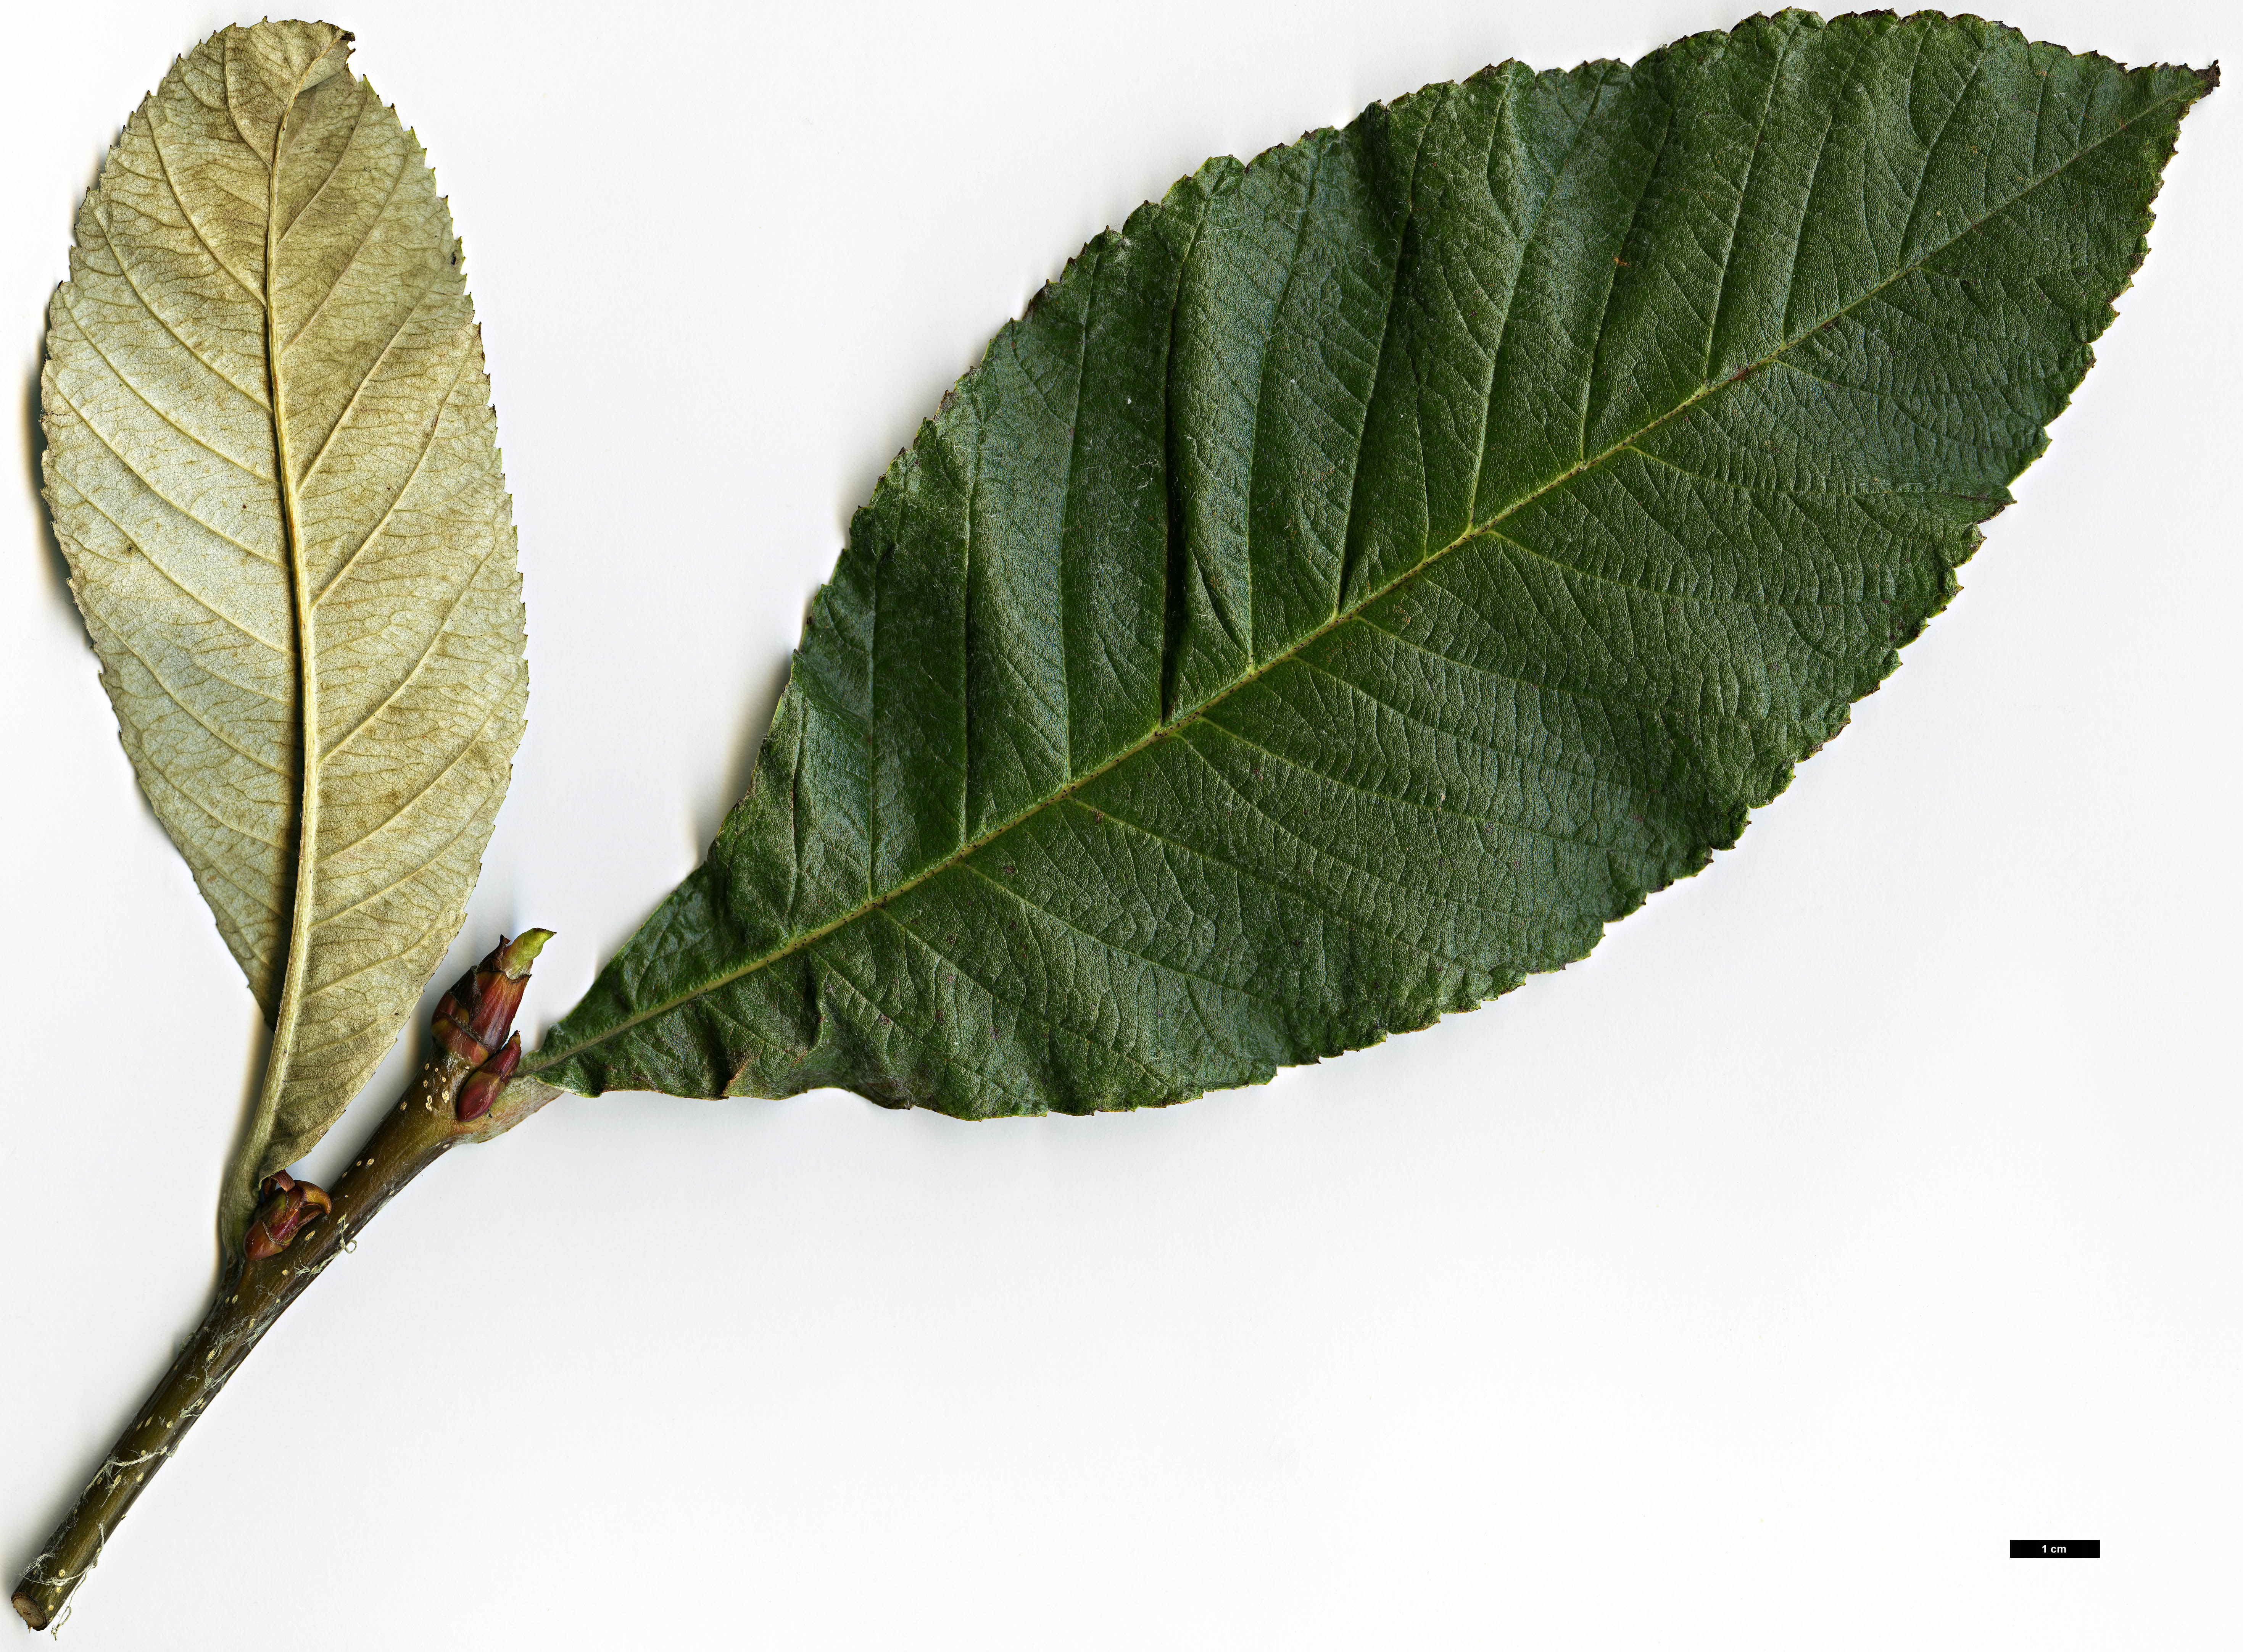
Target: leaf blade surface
1374 569
273 467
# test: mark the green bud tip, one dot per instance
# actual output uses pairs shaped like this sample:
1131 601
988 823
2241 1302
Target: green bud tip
515 957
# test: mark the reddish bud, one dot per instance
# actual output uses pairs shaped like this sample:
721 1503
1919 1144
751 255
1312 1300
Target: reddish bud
449 1025
478 1013
486 1081
285 1206
497 996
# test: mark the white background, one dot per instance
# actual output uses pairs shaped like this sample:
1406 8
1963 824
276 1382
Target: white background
1864 1203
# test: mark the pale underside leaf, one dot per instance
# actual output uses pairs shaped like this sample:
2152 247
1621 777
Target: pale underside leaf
273 466
1374 569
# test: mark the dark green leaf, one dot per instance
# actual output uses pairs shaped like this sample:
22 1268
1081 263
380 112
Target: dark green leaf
1376 569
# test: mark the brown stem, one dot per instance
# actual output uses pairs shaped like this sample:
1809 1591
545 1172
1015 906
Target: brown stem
463 1094
413 1135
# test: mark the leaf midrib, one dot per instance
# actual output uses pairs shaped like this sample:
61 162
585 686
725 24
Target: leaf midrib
544 1060
288 1009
